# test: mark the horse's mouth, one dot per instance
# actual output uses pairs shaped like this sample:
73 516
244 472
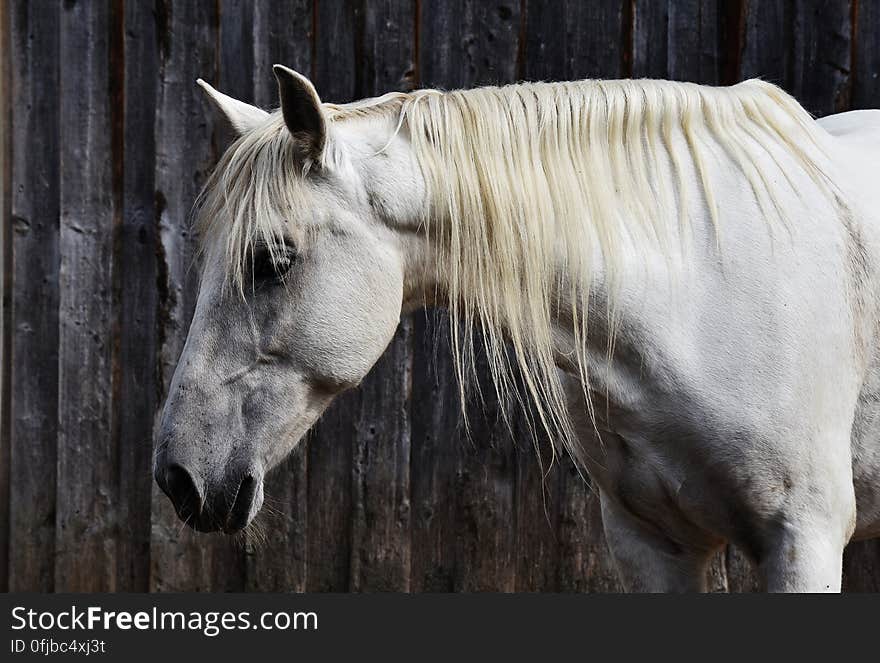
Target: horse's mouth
224 512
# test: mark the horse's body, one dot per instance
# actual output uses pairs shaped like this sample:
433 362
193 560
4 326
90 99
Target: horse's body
734 392
741 401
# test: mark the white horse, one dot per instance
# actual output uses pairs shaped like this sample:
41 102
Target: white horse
685 277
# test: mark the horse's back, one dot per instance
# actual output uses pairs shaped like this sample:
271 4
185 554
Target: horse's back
851 122
855 141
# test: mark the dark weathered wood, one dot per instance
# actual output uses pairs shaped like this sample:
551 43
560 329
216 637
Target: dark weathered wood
689 40
235 75
860 567
465 43
803 46
380 555
741 576
537 514
282 35
5 292
34 343
338 26
572 40
136 390
87 493
182 560
584 562
434 456
866 72
277 549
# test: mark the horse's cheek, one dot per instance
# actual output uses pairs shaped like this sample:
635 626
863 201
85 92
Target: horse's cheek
344 325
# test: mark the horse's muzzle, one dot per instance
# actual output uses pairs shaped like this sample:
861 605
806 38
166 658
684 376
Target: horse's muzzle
229 507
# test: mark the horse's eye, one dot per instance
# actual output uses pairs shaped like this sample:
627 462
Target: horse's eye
266 268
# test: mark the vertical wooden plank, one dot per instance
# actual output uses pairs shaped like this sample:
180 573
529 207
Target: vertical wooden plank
741 575
579 40
276 553
282 35
237 49
5 292
574 40
380 557
695 41
650 56
330 445
136 387
861 567
866 78
462 44
85 541
803 46
182 560
34 330
690 40
236 69
585 564
434 456
538 506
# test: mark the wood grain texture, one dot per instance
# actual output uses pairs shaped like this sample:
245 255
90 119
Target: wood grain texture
866 40
689 40
34 31
5 291
573 40
136 379
87 495
803 46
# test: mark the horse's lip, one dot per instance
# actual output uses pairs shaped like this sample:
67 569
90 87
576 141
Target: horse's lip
200 522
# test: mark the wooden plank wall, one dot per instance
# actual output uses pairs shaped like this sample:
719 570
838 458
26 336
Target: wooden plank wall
105 143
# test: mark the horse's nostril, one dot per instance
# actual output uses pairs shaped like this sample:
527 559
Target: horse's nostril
183 491
241 507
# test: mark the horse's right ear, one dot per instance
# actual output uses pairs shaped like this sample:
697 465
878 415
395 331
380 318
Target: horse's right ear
241 116
302 110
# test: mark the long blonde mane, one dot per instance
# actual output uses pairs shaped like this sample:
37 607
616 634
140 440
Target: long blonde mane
520 178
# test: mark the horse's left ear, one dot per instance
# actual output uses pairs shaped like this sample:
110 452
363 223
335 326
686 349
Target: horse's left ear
302 110
241 116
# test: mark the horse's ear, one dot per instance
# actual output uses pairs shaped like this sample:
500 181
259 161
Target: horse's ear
241 116
302 111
